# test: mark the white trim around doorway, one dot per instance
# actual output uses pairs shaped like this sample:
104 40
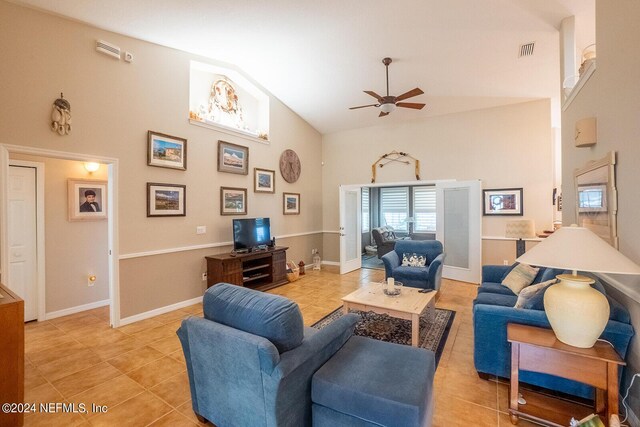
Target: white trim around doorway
112 218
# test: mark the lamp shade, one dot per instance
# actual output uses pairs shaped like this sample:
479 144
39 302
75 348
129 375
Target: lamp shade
578 248
520 229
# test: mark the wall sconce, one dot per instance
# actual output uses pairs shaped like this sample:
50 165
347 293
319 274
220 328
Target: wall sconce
91 167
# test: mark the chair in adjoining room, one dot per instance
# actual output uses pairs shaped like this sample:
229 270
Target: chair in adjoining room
251 362
416 263
385 238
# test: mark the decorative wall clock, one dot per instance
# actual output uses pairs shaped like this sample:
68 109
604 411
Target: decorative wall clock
290 167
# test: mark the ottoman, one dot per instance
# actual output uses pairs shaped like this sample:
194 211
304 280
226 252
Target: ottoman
374 383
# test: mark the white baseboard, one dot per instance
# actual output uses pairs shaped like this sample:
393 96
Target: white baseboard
159 311
330 263
76 309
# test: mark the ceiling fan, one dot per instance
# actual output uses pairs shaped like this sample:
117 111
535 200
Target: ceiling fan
389 103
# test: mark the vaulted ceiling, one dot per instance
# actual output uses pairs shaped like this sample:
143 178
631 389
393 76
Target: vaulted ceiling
318 56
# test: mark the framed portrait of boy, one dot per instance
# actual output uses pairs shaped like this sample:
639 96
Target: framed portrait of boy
87 199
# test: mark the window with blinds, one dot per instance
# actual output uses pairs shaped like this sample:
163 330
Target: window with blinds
424 209
394 207
366 216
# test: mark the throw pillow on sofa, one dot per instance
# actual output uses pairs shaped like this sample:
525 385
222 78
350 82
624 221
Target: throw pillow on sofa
532 292
413 260
520 277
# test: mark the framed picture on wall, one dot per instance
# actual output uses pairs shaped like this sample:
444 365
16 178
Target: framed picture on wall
166 199
166 151
291 203
233 201
264 181
233 158
503 201
87 199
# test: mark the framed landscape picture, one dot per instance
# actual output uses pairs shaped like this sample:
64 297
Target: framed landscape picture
291 203
166 151
233 201
233 158
264 181
87 199
504 201
166 199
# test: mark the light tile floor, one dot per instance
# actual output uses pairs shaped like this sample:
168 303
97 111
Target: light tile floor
138 371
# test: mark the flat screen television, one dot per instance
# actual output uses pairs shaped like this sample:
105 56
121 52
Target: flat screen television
251 232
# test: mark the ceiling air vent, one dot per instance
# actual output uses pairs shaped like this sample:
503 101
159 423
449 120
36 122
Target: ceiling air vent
108 49
526 49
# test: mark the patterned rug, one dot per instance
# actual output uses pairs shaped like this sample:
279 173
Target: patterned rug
433 334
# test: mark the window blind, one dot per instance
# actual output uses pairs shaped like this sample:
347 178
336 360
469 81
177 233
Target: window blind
394 207
365 210
424 209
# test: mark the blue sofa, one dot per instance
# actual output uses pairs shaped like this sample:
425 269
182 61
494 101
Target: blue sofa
427 277
493 309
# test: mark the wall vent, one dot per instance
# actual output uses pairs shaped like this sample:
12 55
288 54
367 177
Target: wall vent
108 49
526 49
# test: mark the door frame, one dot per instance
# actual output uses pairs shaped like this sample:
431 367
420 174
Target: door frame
112 215
40 223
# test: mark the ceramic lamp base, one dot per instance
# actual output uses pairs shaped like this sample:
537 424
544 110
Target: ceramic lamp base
577 313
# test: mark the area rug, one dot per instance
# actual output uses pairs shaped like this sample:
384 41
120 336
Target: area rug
433 334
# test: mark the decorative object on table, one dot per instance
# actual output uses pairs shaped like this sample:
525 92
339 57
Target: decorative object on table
61 116
597 198
586 132
291 203
577 313
233 201
520 229
395 156
592 420
503 201
433 331
166 151
264 180
388 103
293 272
317 261
87 199
290 166
233 158
166 199
301 267
392 287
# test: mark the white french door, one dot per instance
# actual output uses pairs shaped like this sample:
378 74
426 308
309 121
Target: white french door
350 230
458 227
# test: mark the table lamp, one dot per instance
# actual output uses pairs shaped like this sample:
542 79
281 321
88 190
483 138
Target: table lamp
577 313
520 229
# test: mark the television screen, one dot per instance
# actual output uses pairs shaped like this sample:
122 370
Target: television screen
251 232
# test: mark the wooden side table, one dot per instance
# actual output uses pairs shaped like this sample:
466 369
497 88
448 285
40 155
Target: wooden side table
538 350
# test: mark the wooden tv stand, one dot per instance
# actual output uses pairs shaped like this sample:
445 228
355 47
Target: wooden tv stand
259 270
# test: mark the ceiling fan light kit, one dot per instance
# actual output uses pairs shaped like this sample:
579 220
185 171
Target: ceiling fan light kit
388 103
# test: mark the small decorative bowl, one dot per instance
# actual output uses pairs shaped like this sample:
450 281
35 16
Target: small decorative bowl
397 289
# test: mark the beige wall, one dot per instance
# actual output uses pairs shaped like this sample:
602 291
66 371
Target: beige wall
114 104
612 95
505 147
73 250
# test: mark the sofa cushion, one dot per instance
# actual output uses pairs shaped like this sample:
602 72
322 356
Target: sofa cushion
273 317
495 299
522 275
413 260
381 383
411 273
547 274
495 288
527 295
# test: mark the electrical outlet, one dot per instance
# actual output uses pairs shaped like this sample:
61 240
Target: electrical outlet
91 280
505 262
204 277
201 229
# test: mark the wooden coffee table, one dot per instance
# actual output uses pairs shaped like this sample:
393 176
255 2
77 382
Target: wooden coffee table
409 305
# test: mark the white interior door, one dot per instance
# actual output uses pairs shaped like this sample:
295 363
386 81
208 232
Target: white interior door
23 269
458 227
350 226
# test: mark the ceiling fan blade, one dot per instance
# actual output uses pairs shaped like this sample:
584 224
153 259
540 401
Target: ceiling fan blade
363 106
414 105
413 92
382 114
372 93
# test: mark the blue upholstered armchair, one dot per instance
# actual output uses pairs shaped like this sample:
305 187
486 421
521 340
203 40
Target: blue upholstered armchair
427 277
250 360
